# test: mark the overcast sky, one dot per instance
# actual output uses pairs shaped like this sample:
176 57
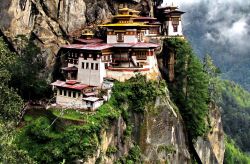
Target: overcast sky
220 28
225 20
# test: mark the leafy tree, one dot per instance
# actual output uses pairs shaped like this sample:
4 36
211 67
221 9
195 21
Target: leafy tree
9 152
10 102
27 76
213 74
10 105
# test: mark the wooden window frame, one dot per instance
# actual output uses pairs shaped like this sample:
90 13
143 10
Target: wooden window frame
120 37
96 66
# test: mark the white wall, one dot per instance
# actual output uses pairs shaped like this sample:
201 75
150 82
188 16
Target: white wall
111 39
130 39
91 76
69 101
71 65
171 29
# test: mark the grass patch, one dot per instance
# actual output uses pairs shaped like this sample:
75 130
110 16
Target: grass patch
69 114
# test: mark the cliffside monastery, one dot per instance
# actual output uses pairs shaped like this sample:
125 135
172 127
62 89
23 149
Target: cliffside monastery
92 65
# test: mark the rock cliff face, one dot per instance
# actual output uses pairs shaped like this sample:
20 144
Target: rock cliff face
161 136
211 148
160 130
51 22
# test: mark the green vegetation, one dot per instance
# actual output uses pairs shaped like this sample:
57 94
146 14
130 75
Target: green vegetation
10 105
46 141
134 156
70 114
236 92
168 149
27 77
46 144
111 150
10 102
137 92
189 90
236 113
235 102
234 155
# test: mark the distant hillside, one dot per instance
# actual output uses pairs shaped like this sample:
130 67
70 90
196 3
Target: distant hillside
236 113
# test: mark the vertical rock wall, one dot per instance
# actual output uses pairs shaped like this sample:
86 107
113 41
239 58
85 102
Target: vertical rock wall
212 147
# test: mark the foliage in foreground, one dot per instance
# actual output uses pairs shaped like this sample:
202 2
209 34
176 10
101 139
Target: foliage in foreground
189 90
10 105
50 143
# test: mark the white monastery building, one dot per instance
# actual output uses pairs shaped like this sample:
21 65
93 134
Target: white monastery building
89 61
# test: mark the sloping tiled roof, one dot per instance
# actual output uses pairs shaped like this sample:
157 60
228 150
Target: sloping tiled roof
135 45
74 68
100 46
75 86
88 41
95 47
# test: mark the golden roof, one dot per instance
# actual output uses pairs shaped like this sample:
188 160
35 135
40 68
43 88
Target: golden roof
129 15
87 32
128 25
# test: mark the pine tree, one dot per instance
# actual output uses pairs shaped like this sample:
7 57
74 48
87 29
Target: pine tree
190 87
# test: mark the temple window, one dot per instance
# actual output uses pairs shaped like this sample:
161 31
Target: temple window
65 93
175 28
141 55
175 23
92 66
60 91
83 65
74 94
69 93
96 66
140 36
120 37
87 65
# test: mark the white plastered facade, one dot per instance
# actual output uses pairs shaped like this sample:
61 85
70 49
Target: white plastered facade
90 75
171 29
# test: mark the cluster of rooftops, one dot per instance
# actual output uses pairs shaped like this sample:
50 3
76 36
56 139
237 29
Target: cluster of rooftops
89 63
